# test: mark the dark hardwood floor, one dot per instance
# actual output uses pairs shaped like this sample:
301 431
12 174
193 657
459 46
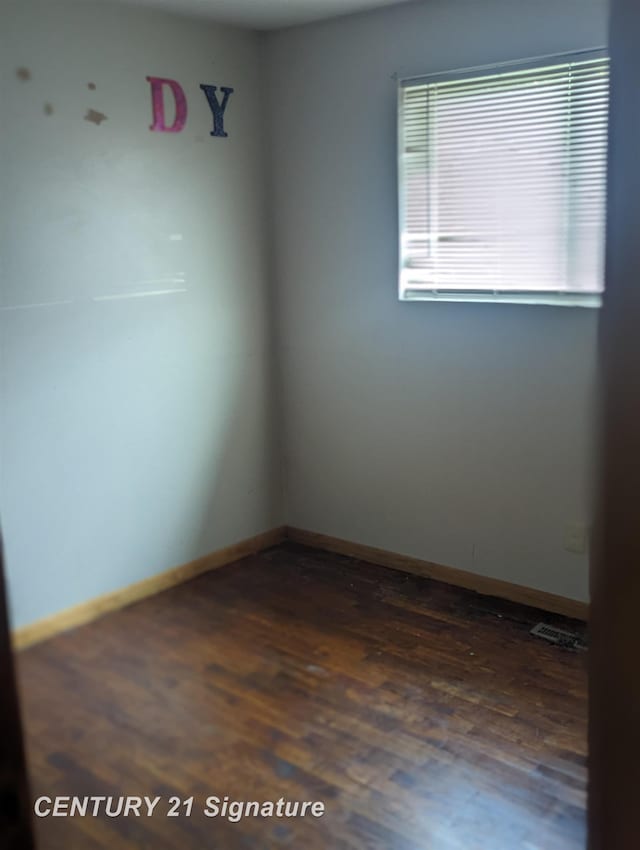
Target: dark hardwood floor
425 717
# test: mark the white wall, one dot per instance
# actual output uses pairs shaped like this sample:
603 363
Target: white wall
451 432
136 432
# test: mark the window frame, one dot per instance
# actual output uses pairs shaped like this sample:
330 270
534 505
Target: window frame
496 296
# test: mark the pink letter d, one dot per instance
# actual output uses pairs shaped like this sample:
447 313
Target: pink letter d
157 102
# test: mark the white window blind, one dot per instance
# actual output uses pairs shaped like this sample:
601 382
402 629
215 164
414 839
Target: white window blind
503 183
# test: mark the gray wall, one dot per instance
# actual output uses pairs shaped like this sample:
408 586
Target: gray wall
136 431
458 433
139 431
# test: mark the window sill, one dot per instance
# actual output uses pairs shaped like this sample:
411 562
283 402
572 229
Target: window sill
540 299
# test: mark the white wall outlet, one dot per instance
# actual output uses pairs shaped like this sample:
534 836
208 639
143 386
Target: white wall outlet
575 537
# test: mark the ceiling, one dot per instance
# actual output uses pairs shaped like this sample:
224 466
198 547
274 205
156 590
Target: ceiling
265 14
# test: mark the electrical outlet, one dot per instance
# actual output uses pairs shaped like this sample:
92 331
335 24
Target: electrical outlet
575 537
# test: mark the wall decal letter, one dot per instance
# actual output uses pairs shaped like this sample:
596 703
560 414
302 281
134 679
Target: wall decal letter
157 102
217 109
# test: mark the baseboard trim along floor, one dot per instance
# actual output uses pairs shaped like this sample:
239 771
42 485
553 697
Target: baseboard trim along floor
92 609
449 575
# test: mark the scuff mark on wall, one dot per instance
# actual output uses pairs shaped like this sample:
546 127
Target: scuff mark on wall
48 109
95 117
23 74
91 86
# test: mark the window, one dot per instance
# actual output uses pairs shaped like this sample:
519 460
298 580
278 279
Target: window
503 183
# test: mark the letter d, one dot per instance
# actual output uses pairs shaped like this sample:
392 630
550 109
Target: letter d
157 102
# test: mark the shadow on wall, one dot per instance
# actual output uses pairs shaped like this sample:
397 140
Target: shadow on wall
133 443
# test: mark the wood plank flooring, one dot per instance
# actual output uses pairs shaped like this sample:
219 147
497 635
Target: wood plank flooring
425 717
